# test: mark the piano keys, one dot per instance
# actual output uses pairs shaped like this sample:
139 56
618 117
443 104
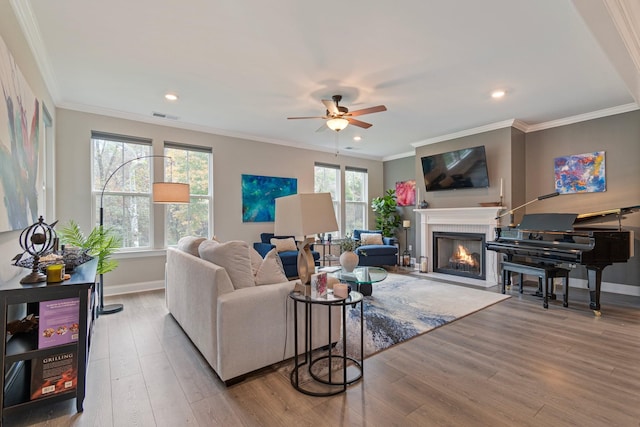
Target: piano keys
553 239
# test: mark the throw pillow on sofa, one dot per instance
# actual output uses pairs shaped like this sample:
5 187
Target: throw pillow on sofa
371 239
284 245
256 260
234 257
271 270
190 244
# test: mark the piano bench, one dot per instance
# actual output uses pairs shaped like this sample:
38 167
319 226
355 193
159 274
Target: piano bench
545 274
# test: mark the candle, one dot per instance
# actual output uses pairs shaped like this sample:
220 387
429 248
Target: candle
55 273
501 188
406 224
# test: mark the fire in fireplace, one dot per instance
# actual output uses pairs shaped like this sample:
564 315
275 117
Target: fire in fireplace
460 254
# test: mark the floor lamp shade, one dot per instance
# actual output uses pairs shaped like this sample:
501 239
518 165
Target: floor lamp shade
303 215
170 192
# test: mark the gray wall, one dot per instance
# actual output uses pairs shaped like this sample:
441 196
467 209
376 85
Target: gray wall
525 163
619 137
232 157
402 170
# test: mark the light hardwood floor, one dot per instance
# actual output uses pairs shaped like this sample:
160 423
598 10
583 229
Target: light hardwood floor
513 363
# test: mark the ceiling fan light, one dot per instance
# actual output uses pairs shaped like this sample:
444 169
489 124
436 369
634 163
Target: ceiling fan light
337 124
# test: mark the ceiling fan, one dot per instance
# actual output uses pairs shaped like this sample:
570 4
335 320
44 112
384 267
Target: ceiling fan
338 117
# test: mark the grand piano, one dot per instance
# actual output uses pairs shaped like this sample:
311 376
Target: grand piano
565 240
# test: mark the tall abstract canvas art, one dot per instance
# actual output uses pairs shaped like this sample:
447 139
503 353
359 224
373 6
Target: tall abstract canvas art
20 150
580 173
259 195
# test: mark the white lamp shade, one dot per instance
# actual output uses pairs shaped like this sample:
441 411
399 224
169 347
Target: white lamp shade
170 192
301 215
337 124
406 223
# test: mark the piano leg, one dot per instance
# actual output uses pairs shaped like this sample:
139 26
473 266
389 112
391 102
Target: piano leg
594 277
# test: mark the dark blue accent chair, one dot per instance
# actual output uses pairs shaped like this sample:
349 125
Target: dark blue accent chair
376 255
289 258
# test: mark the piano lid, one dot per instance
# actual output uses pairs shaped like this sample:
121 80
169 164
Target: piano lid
548 222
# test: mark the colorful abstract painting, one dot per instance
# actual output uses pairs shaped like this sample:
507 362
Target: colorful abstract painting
259 195
20 173
580 173
406 192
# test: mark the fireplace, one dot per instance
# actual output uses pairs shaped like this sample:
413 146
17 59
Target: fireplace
460 254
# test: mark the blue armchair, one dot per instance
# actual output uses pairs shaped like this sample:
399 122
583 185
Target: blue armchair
376 255
289 258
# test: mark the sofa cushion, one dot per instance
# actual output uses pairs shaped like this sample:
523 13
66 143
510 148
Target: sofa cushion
271 270
371 239
266 237
256 260
283 245
234 257
357 233
190 244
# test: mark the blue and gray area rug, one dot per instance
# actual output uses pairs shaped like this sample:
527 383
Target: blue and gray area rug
403 306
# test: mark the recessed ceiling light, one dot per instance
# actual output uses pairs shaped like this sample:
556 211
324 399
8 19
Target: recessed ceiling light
357 138
171 97
497 94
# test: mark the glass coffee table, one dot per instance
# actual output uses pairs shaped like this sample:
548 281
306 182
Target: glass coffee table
362 277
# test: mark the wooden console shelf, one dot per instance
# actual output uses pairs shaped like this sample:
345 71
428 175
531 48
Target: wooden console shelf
19 352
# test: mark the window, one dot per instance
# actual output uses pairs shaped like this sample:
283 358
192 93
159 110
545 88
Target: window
356 196
327 180
127 195
191 165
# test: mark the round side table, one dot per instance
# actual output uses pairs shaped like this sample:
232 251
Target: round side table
334 385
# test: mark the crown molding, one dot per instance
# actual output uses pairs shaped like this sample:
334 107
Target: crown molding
621 12
468 132
584 117
31 31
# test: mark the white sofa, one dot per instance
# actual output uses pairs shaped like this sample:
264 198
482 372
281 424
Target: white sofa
238 330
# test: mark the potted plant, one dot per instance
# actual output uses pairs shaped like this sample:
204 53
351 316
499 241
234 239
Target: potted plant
100 243
348 258
387 217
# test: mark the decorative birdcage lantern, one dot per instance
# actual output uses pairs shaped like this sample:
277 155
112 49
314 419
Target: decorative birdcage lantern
37 240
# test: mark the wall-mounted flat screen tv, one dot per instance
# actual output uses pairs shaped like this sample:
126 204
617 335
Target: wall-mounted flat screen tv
466 168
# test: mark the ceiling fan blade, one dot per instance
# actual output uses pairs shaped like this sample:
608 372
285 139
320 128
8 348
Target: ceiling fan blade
331 106
311 117
359 123
369 110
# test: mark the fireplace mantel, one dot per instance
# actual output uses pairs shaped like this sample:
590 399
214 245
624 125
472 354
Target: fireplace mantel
470 220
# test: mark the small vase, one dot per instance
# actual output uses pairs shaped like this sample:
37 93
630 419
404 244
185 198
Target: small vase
349 261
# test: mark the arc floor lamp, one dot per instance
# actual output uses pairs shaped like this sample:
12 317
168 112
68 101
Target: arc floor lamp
163 192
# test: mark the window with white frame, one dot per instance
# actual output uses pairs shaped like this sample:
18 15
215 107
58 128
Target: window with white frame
326 179
191 165
126 198
356 196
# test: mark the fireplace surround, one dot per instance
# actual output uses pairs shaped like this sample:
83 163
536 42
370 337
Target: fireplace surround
477 220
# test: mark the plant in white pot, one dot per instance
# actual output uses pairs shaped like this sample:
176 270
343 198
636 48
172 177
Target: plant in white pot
348 258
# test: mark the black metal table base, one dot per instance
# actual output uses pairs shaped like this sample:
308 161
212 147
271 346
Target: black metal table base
334 382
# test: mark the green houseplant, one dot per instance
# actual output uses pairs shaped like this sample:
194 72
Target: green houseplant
387 216
348 259
100 243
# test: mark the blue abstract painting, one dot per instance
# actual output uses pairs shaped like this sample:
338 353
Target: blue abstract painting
259 195
580 173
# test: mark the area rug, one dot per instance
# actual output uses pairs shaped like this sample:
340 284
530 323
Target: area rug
402 307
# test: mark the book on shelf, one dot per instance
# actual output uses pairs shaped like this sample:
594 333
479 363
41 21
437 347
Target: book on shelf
59 322
54 374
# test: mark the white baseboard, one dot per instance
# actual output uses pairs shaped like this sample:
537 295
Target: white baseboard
614 288
132 288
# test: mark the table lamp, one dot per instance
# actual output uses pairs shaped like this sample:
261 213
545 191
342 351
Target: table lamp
303 215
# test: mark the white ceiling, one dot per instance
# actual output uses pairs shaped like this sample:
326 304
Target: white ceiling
242 67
